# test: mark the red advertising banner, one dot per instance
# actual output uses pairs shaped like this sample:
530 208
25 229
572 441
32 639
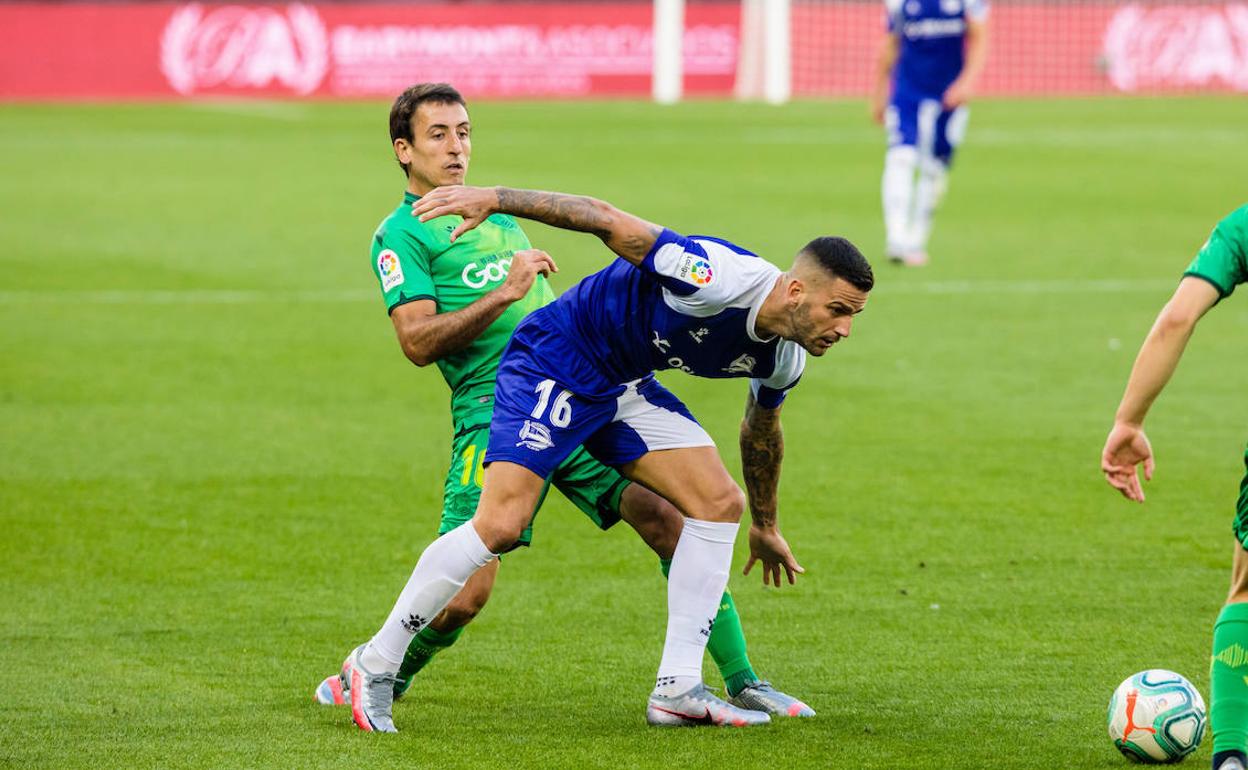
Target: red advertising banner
552 49
1044 48
350 50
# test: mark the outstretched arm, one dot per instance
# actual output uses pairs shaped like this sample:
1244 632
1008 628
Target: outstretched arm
762 450
629 236
1127 446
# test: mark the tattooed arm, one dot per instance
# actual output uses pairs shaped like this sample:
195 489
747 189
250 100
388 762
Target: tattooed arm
762 450
629 236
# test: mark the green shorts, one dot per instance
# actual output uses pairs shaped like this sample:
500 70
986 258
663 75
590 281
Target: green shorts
591 486
1241 508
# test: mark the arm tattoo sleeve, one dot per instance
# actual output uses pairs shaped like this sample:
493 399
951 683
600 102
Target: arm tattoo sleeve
625 234
571 212
762 450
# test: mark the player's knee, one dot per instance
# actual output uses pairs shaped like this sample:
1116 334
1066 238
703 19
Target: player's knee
500 530
727 504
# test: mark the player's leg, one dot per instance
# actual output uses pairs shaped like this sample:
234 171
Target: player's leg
605 497
460 499
654 441
1228 695
444 630
897 184
439 635
659 524
461 493
938 137
508 498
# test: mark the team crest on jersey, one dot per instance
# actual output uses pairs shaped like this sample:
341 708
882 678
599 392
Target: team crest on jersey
389 269
535 436
743 365
695 270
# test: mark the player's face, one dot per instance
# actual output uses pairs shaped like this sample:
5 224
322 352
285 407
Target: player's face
440 148
824 313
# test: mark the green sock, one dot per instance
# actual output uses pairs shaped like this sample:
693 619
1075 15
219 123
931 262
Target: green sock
1228 675
429 642
727 643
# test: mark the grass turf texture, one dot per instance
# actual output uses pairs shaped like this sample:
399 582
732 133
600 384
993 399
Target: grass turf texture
217 469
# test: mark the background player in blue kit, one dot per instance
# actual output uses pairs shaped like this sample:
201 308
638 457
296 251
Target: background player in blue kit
579 371
928 66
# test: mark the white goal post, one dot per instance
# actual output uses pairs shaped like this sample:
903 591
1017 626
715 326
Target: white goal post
764 61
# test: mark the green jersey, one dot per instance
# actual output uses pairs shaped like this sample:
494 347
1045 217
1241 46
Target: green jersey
1223 260
416 260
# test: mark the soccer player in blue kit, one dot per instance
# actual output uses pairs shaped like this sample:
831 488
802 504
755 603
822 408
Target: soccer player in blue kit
579 371
927 70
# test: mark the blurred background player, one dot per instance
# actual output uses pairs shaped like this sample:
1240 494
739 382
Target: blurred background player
928 65
456 305
1220 266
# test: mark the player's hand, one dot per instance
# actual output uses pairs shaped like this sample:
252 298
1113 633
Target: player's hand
877 109
474 204
957 94
1125 448
769 546
526 265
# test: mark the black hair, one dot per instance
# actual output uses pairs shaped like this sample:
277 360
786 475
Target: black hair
841 259
405 106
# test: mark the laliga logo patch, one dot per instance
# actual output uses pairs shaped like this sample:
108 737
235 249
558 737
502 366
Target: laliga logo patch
696 270
390 270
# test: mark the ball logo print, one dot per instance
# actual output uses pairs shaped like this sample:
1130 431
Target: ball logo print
239 47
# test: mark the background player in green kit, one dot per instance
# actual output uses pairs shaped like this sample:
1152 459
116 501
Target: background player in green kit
456 305
1220 266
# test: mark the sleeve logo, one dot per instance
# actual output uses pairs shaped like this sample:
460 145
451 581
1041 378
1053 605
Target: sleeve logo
389 269
695 270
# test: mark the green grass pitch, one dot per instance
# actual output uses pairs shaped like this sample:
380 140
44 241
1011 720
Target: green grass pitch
217 469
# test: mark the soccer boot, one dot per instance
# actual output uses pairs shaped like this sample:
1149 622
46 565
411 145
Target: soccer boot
334 691
699 706
761 696
1232 762
371 695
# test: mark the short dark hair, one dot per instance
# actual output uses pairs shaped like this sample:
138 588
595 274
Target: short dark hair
405 106
841 259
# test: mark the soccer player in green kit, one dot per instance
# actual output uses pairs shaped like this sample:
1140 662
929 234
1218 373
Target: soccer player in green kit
456 305
1220 266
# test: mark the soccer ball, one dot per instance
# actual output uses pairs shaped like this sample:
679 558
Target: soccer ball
1156 717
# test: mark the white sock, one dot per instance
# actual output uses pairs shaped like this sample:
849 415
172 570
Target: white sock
898 193
695 586
442 570
927 195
